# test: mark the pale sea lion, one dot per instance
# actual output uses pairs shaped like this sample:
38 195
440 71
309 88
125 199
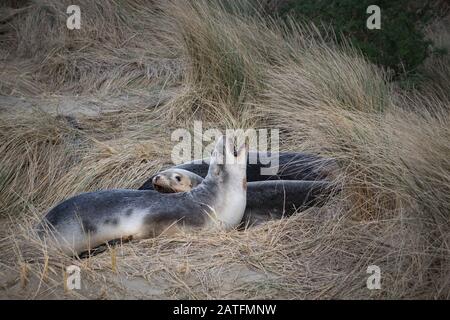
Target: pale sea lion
175 180
90 219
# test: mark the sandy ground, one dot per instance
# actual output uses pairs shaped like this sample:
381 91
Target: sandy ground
165 278
73 106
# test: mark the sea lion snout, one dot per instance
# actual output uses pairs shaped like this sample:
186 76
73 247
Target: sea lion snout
175 180
162 184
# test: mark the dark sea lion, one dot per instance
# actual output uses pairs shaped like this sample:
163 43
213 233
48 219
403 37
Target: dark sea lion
271 199
291 166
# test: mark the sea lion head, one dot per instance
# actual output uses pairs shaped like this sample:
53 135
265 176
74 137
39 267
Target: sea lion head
227 162
175 180
227 177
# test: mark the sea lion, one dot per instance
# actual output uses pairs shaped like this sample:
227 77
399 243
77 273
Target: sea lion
266 200
291 166
90 219
175 180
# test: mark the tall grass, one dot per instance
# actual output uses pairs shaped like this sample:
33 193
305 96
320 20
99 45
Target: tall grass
109 53
235 68
437 67
225 49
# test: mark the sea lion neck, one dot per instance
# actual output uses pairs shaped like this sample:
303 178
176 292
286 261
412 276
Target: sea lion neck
207 190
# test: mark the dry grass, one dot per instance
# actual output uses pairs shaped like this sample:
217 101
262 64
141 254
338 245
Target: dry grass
229 68
437 67
109 53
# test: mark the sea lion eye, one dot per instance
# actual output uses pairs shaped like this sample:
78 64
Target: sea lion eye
178 178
